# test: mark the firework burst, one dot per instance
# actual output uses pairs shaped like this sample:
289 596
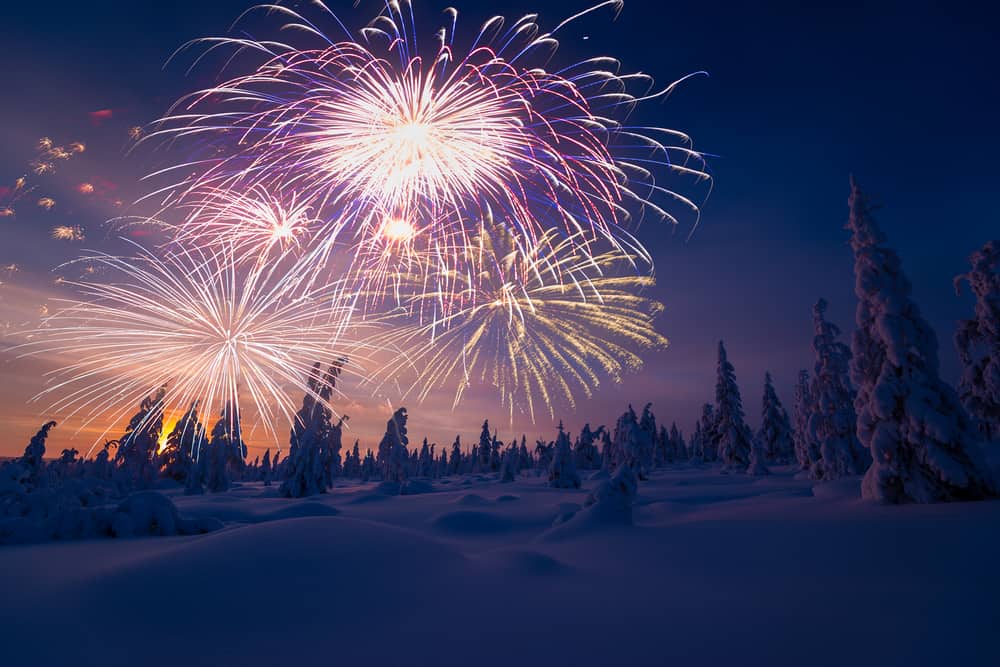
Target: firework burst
532 319
386 137
209 331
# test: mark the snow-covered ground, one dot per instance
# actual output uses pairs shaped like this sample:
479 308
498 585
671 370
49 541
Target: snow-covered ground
715 570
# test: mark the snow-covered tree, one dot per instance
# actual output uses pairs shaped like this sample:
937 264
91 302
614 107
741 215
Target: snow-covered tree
266 474
624 444
735 440
806 449
978 341
923 443
833 422
368 466
709 434
313 437
455 464
183 445
695 443
394 442
482 461
137 449
585 451
677 447
217 455
562 470
646 445
614 497
509 464
775 434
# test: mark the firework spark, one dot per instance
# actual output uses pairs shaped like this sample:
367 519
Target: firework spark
68 233
532 320
209 331
257 224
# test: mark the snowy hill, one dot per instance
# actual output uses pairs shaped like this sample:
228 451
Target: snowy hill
714 569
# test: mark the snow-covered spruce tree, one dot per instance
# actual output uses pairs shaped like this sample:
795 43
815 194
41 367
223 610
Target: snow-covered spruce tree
833 422
585 451
614 497
978 341
709 434
482 462
217 454
775 434
509 464
677 446
455 464
562 470
21 477
735 440
806 449
697 454
136 457
368 466
394 442
183 445
312 437
265 468
923 443
646 444
625 442
523 456
661 448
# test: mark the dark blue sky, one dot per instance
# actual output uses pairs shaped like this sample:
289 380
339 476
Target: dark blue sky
903 95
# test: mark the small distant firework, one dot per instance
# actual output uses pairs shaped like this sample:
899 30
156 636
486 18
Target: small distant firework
135 133
68 233
256 224
46 203
85 188
10 269
6 211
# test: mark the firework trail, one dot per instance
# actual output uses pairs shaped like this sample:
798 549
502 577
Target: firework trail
385 139
530 319
195 322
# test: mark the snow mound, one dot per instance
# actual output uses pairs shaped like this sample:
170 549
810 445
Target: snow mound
473 499
524 562
472 522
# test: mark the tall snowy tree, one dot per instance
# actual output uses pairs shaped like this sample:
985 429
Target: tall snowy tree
833 422
709 440
562 470
775 434
266 474
646 446
624 444
978 341
455 464
923 443
482 461
215 463
394 442
313 437
806 449
735 440
183 445
585 451
137 449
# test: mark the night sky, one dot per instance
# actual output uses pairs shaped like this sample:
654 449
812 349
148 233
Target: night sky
902 95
